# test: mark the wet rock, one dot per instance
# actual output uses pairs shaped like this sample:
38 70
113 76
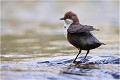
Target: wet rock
94 66
101 60
97 66
43 62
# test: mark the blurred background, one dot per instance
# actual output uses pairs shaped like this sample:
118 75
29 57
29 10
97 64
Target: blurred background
42 17
33 27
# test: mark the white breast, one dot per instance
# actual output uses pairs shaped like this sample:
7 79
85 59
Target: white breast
67 23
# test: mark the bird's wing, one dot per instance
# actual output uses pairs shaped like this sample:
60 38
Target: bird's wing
80 28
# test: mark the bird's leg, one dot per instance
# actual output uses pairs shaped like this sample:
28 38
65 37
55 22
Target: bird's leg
77 55
86 54
84 59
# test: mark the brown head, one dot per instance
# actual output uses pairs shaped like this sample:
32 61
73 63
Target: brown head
72 16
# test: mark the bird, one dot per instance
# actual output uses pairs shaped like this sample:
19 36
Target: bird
79 35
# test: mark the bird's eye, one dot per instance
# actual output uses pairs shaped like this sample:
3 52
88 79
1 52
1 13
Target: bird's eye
68 16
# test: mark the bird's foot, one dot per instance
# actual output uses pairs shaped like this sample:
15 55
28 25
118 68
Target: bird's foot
84 60
81 61
77 62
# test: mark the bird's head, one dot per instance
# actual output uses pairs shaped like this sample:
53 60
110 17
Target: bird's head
70 16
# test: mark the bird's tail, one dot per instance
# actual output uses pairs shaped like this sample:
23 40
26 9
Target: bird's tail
103 43
96 29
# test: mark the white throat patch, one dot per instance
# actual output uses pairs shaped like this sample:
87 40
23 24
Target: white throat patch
67 23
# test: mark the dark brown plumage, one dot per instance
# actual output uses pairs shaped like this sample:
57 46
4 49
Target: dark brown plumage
79 35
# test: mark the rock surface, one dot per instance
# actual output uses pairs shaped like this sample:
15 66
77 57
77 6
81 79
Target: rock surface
62 68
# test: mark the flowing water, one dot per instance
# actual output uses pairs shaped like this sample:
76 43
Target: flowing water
49 57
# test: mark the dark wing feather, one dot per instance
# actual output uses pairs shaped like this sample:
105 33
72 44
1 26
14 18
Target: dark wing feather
80 28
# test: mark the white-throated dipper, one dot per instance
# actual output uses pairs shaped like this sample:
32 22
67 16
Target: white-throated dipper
79 35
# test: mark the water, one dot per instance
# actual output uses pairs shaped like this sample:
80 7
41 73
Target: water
49 57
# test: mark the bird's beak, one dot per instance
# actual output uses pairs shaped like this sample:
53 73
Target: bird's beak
62 18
